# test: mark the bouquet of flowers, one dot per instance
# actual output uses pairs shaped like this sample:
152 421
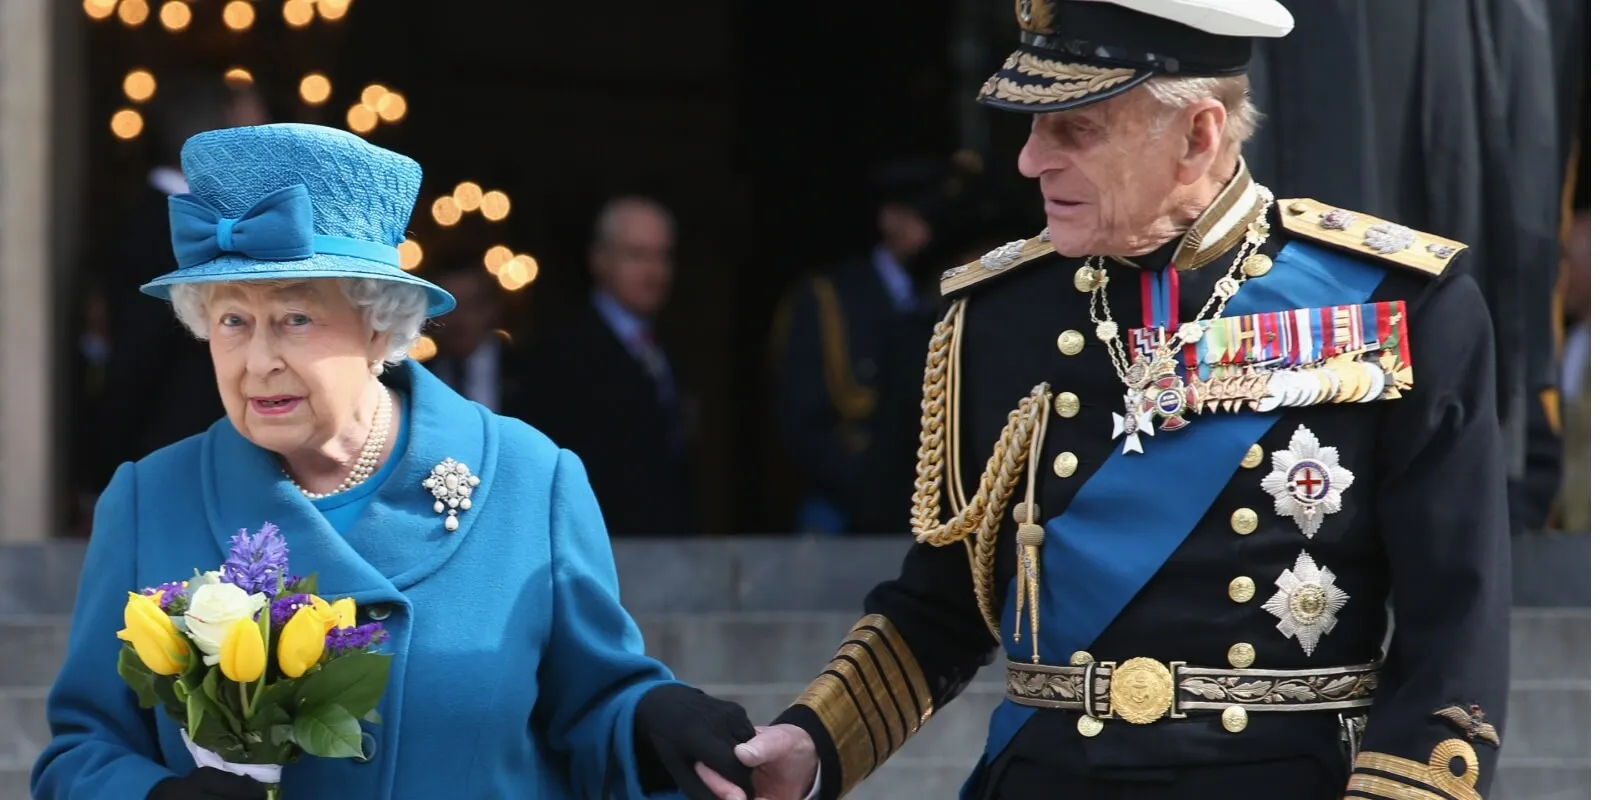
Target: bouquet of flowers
253 666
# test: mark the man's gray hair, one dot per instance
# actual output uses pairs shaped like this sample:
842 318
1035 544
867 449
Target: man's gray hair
1233 92
398 309
609 221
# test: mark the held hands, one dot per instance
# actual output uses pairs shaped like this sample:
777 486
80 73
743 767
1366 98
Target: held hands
688 734
785 762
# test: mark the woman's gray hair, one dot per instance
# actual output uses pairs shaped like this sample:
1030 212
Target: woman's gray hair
398 309
1233 92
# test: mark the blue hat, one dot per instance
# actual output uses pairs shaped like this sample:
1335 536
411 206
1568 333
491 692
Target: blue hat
1077 52
292 201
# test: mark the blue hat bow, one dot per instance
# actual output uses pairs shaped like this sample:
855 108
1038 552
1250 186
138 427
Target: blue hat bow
277 228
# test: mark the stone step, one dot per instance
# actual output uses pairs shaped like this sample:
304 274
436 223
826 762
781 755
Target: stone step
742 647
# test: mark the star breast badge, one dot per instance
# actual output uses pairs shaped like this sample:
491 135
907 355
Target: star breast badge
1306 482
1307 602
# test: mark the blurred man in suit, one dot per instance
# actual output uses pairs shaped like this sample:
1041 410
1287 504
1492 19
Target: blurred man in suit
165 371
609 391
476 356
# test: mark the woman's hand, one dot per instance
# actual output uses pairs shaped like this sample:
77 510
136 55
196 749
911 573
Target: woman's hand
689 733
208 784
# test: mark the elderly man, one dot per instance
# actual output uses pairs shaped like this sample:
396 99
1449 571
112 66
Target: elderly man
1192 603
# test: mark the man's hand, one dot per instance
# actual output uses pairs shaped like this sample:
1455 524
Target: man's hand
785 762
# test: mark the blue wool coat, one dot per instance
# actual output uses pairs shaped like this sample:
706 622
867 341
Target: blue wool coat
516 670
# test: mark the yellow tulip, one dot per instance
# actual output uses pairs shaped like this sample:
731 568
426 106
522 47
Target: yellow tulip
346 609
244 656
304 636
155 639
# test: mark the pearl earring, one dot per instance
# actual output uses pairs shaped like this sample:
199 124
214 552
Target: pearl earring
376 369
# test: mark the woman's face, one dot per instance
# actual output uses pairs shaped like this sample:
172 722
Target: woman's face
292 362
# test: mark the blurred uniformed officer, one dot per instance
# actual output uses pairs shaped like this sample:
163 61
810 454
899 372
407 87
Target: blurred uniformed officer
1178 452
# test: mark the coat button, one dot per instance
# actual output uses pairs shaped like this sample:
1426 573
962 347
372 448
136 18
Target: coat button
1235 719
1068 405
1253 457
1070 343
1242 655
1089 726
1245 521
1241 589
1082 659
378 613
1257 265
1066 464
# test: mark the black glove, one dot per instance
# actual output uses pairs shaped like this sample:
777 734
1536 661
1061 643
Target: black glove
676 726
208 784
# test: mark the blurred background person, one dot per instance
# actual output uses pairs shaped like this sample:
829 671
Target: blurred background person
475 355
606 387
162 370
849 345
1577 358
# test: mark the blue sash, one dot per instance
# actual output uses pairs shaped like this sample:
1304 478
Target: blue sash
1115 535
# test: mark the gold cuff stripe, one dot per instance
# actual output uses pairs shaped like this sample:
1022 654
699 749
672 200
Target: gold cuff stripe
857 661
1388 789
866 704
830 699
1436 774
921 700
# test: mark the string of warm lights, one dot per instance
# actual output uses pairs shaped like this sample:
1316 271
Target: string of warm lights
376 105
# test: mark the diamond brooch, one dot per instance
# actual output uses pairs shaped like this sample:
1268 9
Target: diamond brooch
451 484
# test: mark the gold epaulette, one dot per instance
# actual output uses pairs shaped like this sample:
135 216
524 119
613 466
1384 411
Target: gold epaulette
872 698
1366 235
999 260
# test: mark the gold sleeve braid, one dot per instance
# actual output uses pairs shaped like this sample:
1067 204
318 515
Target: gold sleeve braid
872 698
1380 775
974 522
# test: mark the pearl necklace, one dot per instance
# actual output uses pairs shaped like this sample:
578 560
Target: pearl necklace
367 462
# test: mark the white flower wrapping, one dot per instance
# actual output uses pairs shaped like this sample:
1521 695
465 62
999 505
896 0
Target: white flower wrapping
269 774
213 608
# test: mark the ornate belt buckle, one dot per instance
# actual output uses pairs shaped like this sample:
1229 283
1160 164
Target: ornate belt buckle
1141 691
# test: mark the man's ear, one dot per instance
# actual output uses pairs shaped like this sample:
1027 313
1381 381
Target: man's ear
1203 123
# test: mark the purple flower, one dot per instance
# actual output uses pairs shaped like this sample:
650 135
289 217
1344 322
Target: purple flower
284 607
361 637
255 562
169 593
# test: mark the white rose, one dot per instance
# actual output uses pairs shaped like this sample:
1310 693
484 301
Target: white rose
212 609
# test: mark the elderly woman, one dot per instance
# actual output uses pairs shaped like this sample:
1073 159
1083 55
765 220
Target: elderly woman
516 672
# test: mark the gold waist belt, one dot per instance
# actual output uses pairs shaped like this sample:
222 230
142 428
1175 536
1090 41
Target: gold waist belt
1143 690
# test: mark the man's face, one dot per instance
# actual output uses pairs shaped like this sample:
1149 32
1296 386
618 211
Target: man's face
477 312
635 264
1106 173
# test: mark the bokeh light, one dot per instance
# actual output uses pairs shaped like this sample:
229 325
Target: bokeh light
175 15
410 255
496 206
126 124
315 88
495 258
139 85
468 195
133 13
238 15
446 211
361 119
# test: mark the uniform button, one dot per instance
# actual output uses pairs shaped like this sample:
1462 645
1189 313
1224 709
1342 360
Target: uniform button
1020 513
1070 343
1241 589
1081 659
1297 208
1242 655
1257 265
1085 279
1245 521
1089 726
1253 457
378 613
1068 405
1235 719
1066 464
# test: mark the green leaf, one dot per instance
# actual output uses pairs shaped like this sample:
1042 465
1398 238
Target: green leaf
216 691
138 677
355 681
282 734
328 732
306 585
278 695
373 717
167 690
195 703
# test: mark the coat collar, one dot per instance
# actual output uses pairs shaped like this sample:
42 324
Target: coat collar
399 539
1219 228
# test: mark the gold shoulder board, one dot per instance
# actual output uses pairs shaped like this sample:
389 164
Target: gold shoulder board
1369 236
999 260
